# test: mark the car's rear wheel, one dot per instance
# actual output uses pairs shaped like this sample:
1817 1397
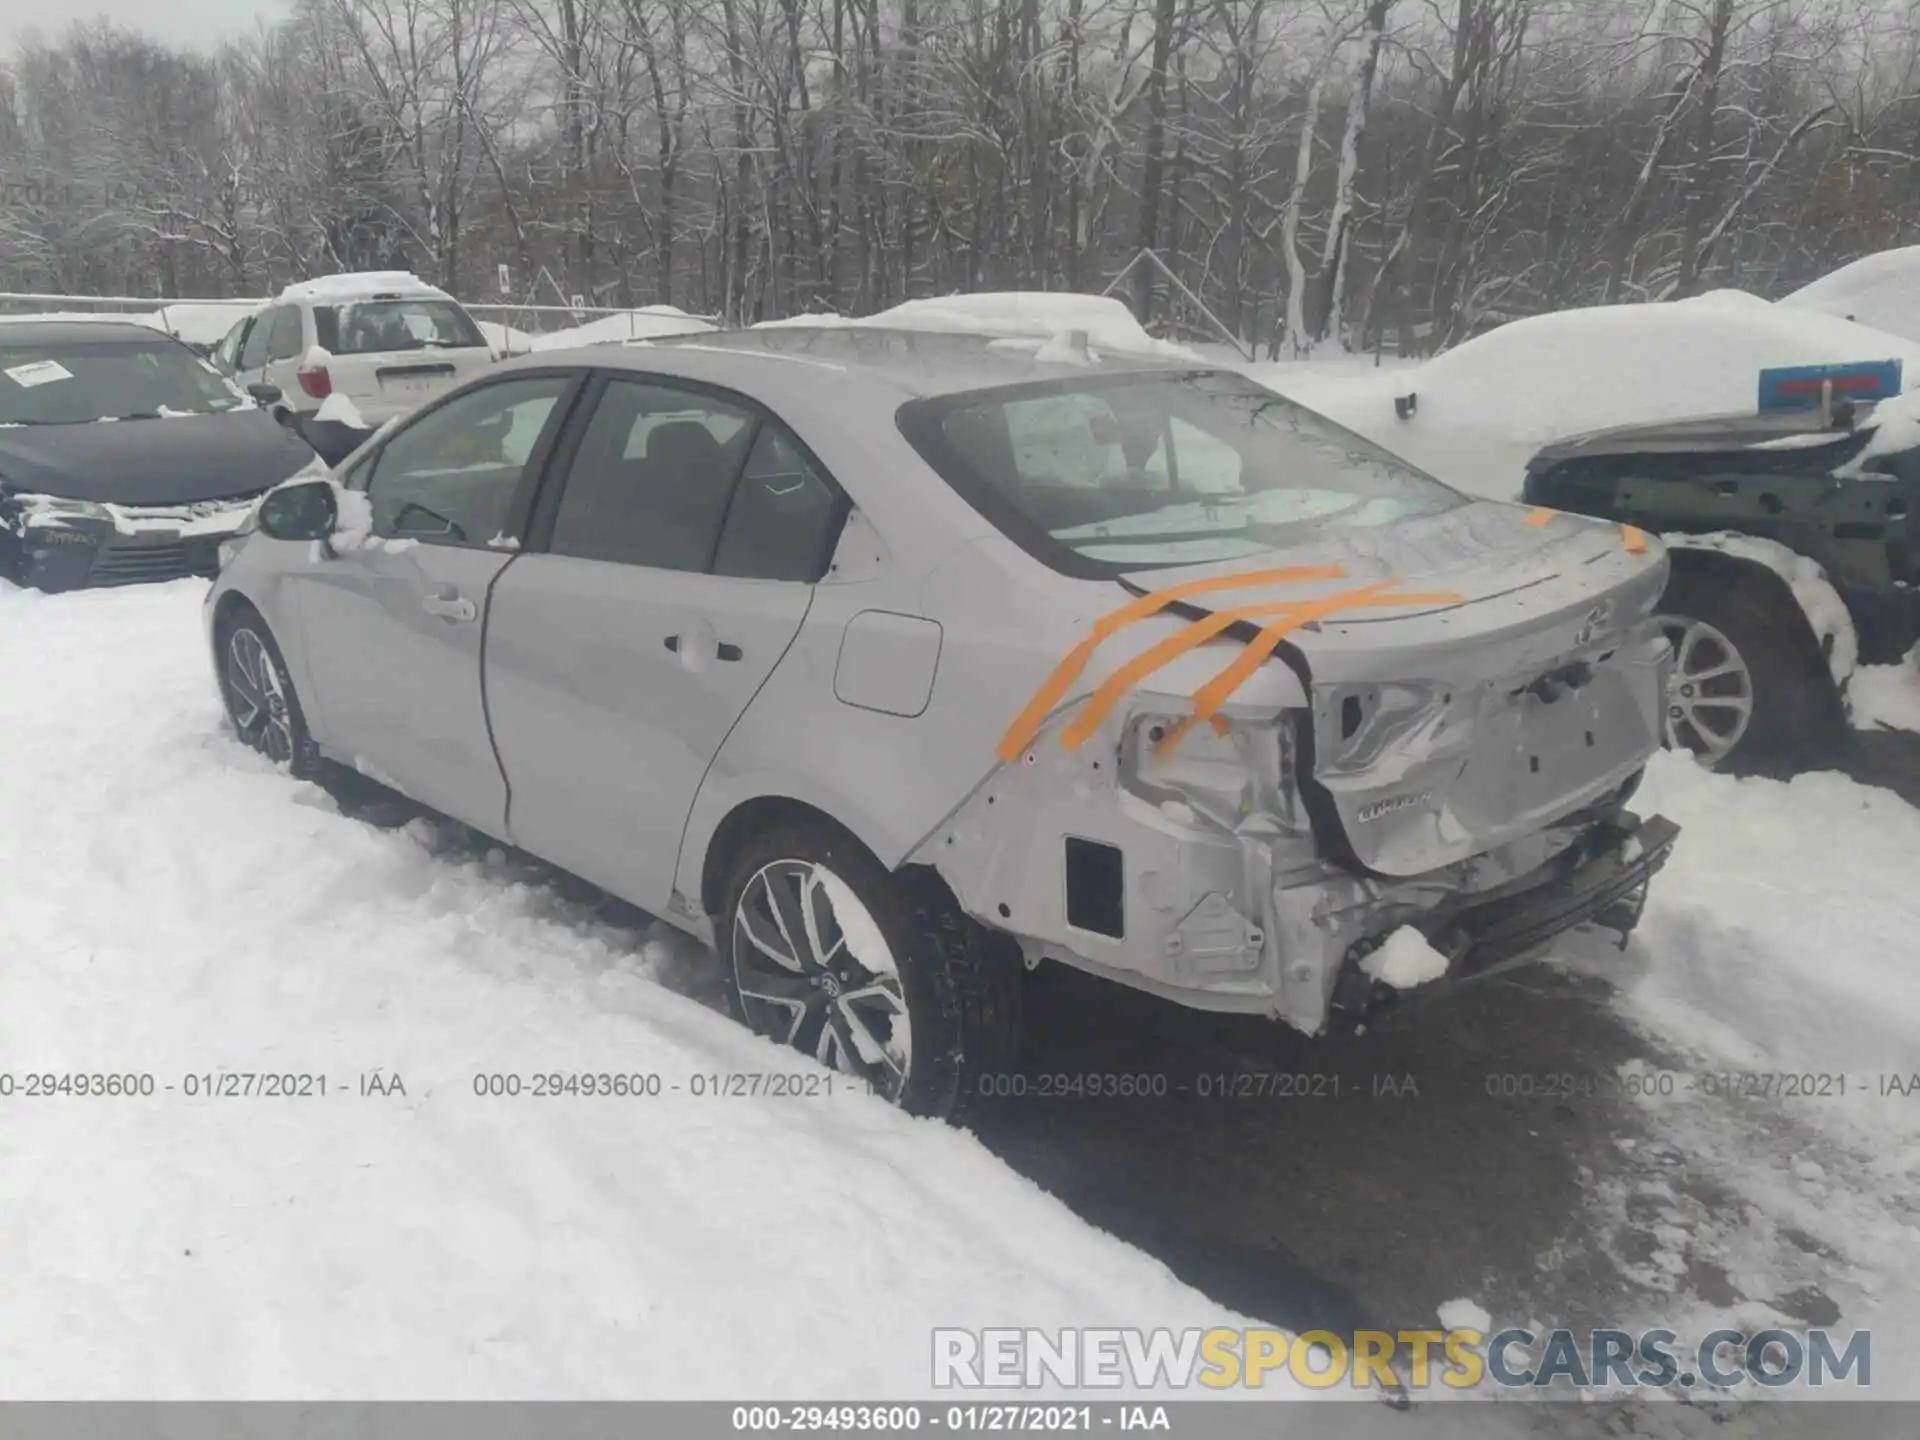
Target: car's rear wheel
261 703
877 975
1747 690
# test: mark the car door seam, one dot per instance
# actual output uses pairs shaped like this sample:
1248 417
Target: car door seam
686 820
486 710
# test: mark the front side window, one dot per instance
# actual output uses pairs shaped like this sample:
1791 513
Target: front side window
1171 468
451 476
366 327
76 384
253 350
227 354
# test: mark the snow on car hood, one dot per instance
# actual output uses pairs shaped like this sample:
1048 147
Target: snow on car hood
168 461
1487 406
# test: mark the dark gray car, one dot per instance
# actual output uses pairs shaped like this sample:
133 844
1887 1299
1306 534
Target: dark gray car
890 662
124 456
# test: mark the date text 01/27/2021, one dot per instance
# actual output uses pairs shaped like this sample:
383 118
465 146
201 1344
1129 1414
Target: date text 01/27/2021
384 1083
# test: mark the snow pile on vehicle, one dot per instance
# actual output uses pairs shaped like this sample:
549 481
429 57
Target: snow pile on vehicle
359 285
1405 959
174 907
1881 290
1487 407
647 323
1894 426
1046 316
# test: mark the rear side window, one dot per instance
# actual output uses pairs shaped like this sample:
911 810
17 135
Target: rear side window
687 480
650 481
784 515
367 327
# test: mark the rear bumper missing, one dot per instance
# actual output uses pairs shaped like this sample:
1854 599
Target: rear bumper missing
1607 885
1603 880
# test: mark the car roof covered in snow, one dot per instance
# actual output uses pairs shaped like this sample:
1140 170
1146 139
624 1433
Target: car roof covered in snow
790 361
362 285
24 329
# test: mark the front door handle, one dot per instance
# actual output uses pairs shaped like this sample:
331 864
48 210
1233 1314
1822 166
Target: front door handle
448 604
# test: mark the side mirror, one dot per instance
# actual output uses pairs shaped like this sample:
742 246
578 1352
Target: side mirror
1405 405
265 394
307 511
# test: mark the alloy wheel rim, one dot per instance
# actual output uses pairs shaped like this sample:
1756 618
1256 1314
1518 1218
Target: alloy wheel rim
256 696
801 982
1709 702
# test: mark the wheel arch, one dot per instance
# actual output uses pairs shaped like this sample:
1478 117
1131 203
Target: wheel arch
761 812
1713 565
231 603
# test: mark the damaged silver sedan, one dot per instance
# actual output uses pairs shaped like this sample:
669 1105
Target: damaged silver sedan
892 663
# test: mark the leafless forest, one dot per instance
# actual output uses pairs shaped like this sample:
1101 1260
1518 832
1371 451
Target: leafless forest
1402 171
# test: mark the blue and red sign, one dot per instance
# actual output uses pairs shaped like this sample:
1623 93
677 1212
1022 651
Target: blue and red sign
1793 387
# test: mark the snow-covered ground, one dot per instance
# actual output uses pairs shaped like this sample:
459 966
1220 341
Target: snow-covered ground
173 907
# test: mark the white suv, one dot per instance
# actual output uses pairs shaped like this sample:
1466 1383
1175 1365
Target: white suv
385 340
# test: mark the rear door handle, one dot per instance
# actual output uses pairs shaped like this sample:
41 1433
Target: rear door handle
449 605
722 649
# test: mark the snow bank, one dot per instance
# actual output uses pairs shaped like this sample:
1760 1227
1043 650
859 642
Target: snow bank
504 339
203 323
1880 290
1886 697
1488 406
642 324
174 906
1780 936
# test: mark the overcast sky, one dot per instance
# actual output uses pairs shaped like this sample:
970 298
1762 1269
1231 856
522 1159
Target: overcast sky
197 23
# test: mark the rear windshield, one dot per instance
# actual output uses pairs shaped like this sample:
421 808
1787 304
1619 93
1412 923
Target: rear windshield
78 384
367 326
1137 472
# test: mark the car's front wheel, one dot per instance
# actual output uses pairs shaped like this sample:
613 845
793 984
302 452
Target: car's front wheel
874 974
1748 689
261 703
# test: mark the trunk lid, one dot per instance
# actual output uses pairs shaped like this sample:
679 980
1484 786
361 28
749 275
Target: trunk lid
1445 730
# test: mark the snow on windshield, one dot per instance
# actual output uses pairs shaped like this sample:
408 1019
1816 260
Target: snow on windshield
78 384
